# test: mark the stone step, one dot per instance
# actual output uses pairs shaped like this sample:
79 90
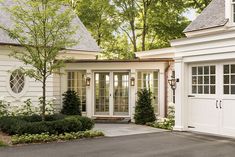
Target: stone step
111 120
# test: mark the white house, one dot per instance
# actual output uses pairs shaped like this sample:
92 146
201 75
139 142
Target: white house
107 88
205 67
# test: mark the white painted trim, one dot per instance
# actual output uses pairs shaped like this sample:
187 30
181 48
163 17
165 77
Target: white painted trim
229 34
162 51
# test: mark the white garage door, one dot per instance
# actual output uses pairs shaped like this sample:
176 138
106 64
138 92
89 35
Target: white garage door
211 99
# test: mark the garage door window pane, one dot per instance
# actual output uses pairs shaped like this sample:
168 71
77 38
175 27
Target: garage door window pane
200 70
194 80
212 69
206 90
212 89
226 89
226 69
229 79
212 80
203 79
194 71
206 80
226 79
233 68
206 70
194 89
200 90
200 80
233 89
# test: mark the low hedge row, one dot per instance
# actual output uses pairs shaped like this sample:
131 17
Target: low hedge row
45 137
56 124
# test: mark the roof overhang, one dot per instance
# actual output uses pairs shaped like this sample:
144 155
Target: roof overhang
158 53
122 61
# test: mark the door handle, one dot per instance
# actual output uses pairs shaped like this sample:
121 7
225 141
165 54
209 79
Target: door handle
217 103
191 96
220 104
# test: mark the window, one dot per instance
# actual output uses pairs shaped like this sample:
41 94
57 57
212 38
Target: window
229 79
149 80
233 10
77 83
17 81
203 80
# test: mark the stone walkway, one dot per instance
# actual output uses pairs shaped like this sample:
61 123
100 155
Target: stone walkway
114 130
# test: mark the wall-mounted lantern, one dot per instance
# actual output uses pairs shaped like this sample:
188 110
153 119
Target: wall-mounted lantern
132 81
88 81
172 82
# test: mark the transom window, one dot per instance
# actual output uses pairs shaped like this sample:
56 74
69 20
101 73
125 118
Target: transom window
203 79
149 80
17 81
229 79
77 83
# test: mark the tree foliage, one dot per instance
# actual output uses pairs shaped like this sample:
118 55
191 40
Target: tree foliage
143 24
43 28
71 103
98 17
199 5
144 111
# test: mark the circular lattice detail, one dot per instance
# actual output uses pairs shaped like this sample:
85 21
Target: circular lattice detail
17 81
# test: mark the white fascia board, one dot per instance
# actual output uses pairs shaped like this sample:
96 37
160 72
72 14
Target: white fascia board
80 52
230 34
155 52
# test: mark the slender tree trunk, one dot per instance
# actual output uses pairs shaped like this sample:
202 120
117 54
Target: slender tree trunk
144 32
132 23
43 98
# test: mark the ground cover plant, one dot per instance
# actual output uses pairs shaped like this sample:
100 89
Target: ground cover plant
53 124
165 123
46 137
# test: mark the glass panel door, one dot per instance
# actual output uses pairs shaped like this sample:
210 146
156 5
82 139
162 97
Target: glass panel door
121 93
102 85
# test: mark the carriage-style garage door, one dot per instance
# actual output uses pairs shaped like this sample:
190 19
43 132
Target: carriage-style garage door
211 99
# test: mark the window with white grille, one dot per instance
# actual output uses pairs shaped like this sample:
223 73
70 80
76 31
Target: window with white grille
17 81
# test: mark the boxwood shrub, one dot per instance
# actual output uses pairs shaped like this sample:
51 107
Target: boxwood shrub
56 124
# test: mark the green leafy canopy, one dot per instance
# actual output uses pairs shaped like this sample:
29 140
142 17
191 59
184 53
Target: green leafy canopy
42 28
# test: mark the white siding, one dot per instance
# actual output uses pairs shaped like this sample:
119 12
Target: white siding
32 89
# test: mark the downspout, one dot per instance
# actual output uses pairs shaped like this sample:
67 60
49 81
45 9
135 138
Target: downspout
166 88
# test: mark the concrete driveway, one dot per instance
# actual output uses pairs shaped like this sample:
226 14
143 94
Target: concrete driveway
163 144
113 130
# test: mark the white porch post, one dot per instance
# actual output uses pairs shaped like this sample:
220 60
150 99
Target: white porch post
133 95
162 93
89 102
179 97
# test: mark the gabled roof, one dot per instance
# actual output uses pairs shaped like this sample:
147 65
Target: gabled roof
211 17
86 42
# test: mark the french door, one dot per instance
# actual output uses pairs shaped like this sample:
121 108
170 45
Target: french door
211 102
111 93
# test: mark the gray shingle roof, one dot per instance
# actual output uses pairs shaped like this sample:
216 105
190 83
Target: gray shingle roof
212 16
86 42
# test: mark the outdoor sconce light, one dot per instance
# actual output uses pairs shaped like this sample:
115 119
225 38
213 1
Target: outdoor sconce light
172 82
132 81
88 81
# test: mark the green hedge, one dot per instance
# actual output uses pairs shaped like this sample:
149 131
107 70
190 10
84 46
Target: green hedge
56 124
45 137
